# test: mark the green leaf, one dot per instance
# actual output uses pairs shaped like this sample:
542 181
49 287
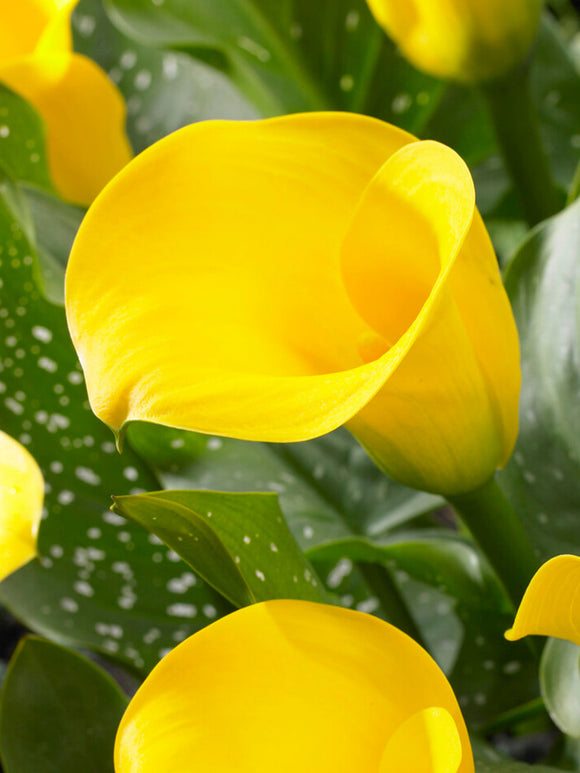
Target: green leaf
163 90
55 225
239 543
341 509
542 480
100 582
58 712
22 151
489 760
298 56
508 766
328 488
438 558
560 683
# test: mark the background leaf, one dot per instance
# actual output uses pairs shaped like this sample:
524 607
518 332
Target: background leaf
560 683
164 90
58 712
341 509
290 57
542 479
22 152
100 581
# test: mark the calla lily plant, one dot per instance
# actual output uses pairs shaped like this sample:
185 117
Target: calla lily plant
21 498
294 685
466 40
83 111
301 273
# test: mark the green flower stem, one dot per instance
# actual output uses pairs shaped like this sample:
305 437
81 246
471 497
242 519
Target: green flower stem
515 121
379 580
500 534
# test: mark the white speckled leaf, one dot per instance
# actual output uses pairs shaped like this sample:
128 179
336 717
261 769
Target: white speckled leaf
239 543
292 56
342 509
101 582
22 151
328 488
164 90
543 477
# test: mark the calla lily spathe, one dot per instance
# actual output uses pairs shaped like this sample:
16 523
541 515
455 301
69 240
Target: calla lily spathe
272 280
83 111
21 498
465 40
295 686
551 604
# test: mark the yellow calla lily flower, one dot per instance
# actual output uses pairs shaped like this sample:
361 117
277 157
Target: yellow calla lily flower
295 686
464 40
551 604
83 111
21 497
273 280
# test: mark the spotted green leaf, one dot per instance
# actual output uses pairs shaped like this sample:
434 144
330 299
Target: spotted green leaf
328 488
239 543
22 151
341 510
100 581
489 674
287 57
164 90
542 479
58 712
54 227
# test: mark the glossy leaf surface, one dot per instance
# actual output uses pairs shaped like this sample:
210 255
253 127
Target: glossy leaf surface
542 477
58 712
239 543
100 581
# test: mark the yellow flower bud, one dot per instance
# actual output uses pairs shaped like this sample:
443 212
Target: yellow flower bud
83 111
465 40
21 497
295 686
273 280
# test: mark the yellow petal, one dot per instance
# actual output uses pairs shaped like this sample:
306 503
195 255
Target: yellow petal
223 303
56 37
84 115
266 280
292 686
23 22
21 497
466 40
418 259
551 604
427 742
219 304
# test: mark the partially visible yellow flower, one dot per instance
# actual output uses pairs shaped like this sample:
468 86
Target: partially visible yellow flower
291 686
82 109
551 604
21 497
465 40
272 280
